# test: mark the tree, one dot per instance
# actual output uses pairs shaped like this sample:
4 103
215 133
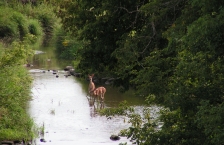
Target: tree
170 51
101 25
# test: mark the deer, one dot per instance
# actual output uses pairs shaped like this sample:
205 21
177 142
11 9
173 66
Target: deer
91 85
99 93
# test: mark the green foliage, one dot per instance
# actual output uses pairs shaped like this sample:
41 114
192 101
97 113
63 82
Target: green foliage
15 92
22 24
15 26
36 33
198 73
15 86
66 46
45 14
15 56
35 27
155 76
170 51
22 27
42 20
9 25
122 109
197 76
210 120
143 128
100 25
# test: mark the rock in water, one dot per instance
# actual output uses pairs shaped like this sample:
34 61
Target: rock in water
114 137
42 140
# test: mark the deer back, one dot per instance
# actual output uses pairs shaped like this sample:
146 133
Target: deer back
99 91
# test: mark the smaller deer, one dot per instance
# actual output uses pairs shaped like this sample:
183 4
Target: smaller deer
99 93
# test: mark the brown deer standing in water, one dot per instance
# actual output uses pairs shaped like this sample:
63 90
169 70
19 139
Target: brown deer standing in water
95 93
91 84
91 87
99 93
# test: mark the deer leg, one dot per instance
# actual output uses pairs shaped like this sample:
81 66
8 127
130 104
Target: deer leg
98 101
102 105
102 97
93 100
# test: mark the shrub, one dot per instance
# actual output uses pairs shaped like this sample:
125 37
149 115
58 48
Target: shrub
15 122
43 14
35 32
8 28
66 46
13 25
48 19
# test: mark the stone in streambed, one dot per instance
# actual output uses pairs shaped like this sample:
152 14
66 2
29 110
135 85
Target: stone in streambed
114 137
42 140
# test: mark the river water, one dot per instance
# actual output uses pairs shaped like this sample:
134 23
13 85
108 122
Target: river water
60 105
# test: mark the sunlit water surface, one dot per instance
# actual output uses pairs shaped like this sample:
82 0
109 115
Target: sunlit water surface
61 105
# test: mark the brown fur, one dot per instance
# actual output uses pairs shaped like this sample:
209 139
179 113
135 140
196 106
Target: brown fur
91 84
99 92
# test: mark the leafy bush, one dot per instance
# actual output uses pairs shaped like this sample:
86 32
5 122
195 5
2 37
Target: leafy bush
13 25
35 32
22 25
8 27
15 123
43 14
35 27
67 47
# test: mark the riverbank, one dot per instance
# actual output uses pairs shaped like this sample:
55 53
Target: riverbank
25 28
16 123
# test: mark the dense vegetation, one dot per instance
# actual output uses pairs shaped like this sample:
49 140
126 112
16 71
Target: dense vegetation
23 28
171 52
15 93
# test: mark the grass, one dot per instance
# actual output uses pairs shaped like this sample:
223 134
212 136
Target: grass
15 86
22 28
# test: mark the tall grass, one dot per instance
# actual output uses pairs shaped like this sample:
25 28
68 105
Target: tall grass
66 46
8 27
16 124
14 26
48 19
18 21
35 32
44 13
15 86
22 27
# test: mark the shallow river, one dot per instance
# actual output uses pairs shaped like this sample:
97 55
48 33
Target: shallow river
60 104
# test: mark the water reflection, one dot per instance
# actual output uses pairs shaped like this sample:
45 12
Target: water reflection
46 59
113 96
60 104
